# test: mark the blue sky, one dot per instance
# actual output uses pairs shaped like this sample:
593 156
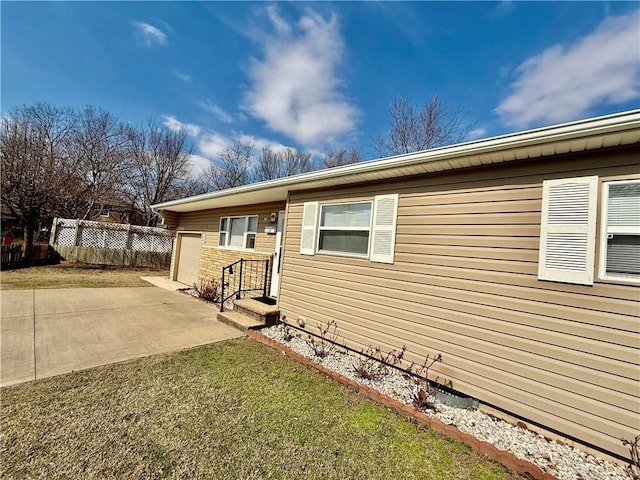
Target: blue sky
317 76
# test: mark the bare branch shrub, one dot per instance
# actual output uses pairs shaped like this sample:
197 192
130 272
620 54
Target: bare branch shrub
634 452
325 343
288 333
209 290
373 364
423 397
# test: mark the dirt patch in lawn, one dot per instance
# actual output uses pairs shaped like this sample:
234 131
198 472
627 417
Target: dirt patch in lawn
74 275
232 410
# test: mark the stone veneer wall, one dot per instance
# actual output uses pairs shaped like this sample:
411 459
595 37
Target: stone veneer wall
212 260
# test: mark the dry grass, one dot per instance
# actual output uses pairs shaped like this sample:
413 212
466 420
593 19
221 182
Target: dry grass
73 275
234 410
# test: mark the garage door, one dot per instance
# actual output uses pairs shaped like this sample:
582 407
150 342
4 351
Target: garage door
189 258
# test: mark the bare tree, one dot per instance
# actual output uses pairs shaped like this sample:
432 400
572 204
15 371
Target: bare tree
99 150
39 180
414 129
282 162
295 162
191 186
268 165
59 162
342 156
160 161
232 168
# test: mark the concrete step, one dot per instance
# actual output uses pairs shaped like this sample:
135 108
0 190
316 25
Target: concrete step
259 311
238 320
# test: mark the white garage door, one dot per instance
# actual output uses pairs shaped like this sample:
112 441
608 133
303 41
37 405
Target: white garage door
189 258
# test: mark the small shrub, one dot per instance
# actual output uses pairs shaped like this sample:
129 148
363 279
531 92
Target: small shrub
373 364
287 332
324 344
634 451
209 290
423 397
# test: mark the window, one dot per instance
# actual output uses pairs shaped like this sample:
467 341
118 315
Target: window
344 228
365 229
620 231
238 232
224 231
568 230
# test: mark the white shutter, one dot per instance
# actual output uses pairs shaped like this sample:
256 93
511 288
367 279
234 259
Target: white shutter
309 222
383 233
568 230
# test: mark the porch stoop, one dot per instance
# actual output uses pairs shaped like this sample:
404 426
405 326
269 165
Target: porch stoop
250 314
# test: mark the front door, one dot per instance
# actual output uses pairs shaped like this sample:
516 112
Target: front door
277 257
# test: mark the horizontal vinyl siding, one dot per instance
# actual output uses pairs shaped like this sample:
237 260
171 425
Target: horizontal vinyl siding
464 283
208 222
170 218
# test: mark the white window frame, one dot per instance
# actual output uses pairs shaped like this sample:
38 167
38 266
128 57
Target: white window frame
224 231
345 229
246 235
605 230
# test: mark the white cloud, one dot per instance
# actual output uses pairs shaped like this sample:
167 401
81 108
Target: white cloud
150 34
185 77
216 110
259 143
502 9
476 133
211 144
177 126
294 86
199 165
565 81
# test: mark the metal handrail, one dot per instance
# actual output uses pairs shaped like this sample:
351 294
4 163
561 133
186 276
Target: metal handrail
247 276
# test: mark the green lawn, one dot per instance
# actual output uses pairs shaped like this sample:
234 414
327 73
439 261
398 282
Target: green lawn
74 275
234 410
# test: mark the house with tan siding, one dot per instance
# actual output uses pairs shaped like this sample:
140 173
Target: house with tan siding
516 257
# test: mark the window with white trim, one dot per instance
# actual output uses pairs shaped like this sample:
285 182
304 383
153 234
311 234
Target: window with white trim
364 229
620 231
344 228
238 232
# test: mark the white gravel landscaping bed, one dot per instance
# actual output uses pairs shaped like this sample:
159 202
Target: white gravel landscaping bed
562 461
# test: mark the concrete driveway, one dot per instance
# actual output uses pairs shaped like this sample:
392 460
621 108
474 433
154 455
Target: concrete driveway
49 332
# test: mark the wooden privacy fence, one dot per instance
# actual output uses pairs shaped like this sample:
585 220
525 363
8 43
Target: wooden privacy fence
10 255
111 243
14 256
